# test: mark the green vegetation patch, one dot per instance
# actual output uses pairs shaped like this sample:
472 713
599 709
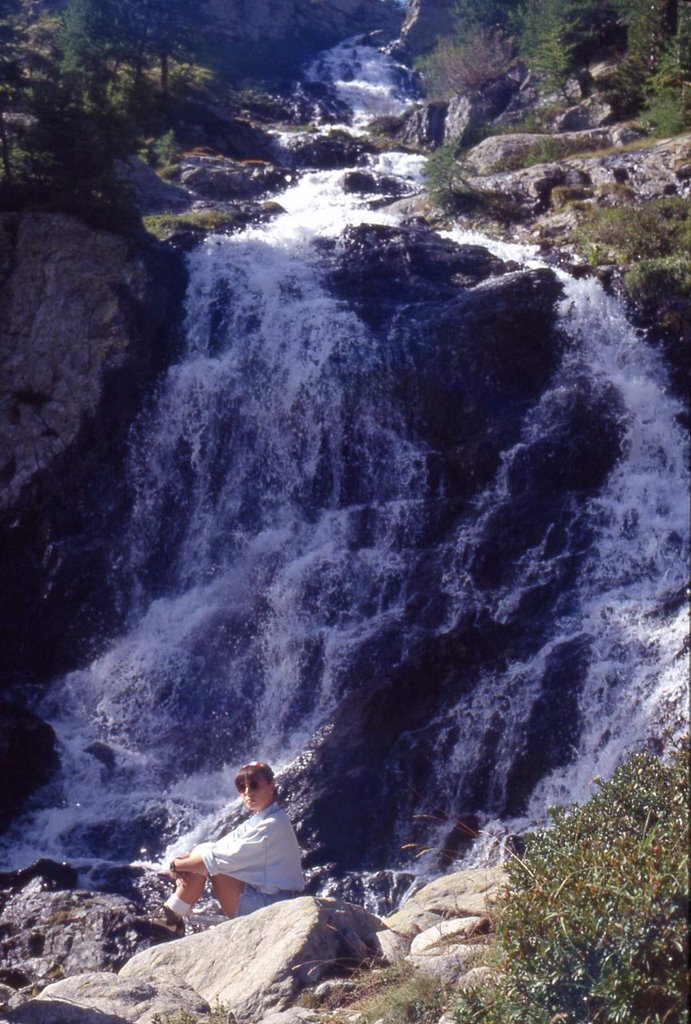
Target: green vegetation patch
164 226
661 227
449 188
654 242
398 994
592 928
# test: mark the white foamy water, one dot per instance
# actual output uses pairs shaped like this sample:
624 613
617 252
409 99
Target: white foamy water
629 594
371 86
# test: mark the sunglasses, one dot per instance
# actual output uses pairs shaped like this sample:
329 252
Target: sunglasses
247 783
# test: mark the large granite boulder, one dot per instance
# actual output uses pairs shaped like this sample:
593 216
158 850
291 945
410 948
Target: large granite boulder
261 962
329 151
72 305
99 998
648 171
468 112
593 112
255 967
457 120
506 152
424 126
460 894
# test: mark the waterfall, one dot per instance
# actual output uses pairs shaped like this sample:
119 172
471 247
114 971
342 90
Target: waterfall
278 504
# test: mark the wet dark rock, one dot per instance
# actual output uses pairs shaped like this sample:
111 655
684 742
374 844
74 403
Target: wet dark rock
51 876
373 763
548 478
318 103
46 936
239 138
219 178
385 888
474 346
103 753
367 183
471 345
27 757
326 152
407 265
550 738
121 839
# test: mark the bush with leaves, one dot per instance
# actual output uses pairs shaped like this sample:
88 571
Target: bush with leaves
467 65
660 228
592 928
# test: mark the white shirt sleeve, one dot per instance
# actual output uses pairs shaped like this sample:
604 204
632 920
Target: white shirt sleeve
263 852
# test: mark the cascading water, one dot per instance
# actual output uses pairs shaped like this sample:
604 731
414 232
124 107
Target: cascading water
279 506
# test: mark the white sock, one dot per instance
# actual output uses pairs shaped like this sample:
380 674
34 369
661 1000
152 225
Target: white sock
177 905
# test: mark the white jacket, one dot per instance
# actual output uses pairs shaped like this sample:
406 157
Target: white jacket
263 852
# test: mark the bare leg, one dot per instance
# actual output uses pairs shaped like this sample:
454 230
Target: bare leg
190 888
190 877
227 891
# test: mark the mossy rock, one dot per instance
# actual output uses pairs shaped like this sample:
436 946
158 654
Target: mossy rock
168 225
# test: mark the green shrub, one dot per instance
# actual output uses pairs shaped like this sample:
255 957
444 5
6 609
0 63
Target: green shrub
444 177
660 279
458 67
659 228
593 925
406 997
165 150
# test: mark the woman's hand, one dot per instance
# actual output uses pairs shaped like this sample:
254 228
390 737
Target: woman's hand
184 866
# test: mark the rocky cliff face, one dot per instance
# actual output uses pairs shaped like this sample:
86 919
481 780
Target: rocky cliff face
425 21
84 315
275 19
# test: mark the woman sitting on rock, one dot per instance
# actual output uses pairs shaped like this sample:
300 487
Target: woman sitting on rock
256 864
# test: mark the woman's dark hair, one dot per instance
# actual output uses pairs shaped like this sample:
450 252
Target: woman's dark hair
253 772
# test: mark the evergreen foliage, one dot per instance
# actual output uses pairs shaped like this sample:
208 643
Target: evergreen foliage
10 78
106 80
559 37
593 925
473 16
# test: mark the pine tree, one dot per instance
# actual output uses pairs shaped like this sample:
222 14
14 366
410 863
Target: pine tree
473 16
86 43
10 76
549 36
158 31
669 107
649 24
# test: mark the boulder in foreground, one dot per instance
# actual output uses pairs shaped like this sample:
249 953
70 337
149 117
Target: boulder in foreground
261 962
